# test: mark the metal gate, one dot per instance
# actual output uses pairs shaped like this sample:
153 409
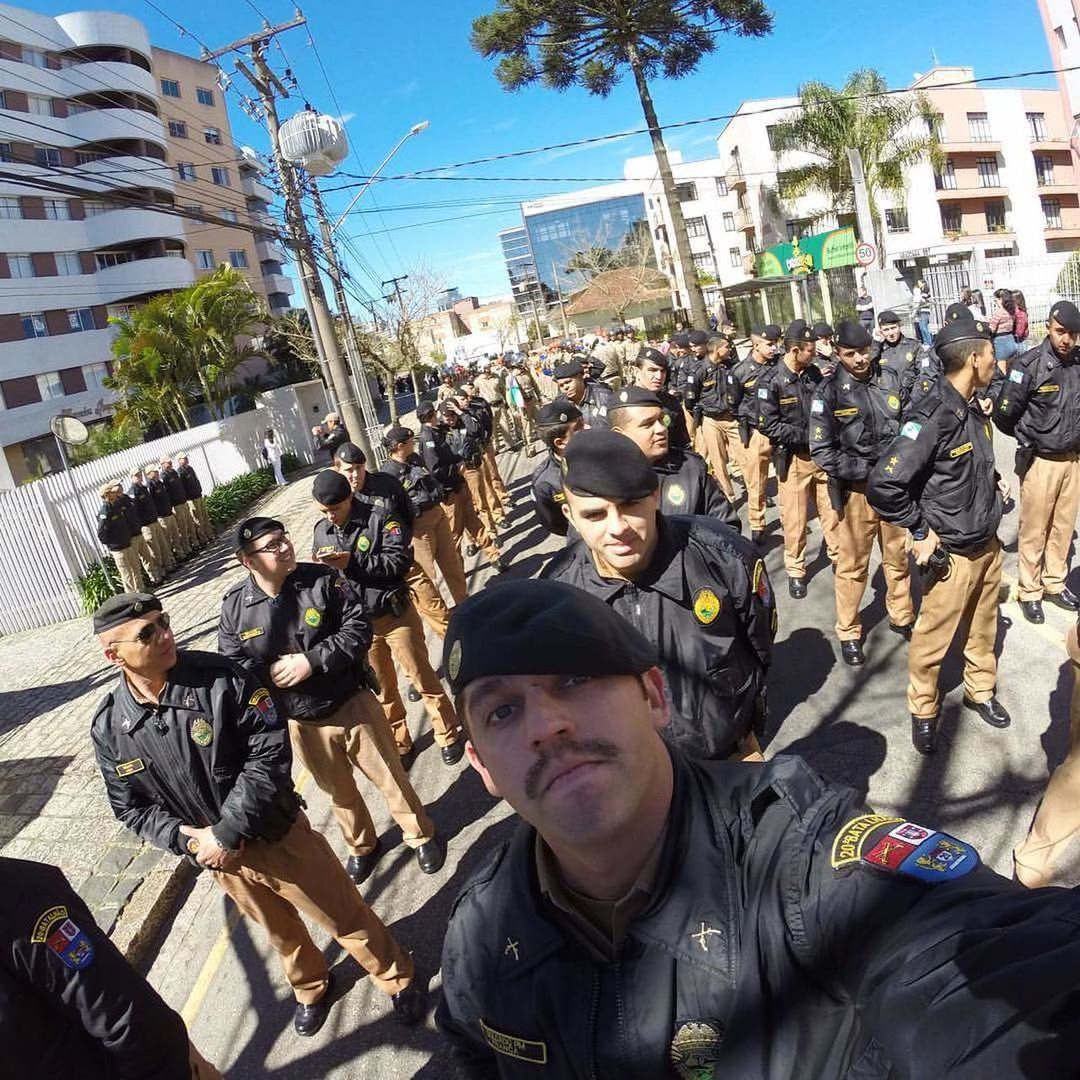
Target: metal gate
945 283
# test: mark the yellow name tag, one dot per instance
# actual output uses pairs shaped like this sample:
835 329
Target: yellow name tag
847 847
255 631
126 768
960 451
1049 388
845 412
788 400
512 1046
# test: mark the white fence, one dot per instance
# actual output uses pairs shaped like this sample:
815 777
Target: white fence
45 542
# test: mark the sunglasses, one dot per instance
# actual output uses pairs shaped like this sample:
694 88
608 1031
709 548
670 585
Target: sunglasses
147 633
275 546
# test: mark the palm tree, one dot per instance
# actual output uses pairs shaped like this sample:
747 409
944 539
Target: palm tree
859 116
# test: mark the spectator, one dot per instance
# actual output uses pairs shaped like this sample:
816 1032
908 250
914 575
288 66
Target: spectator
1003 324
1020 318
920 311
864 306
271 453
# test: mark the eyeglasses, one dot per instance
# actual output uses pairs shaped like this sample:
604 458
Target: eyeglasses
147 633
275 546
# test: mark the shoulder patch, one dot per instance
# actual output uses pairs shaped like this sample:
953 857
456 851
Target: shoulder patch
264 703
1016 375
911 430
848 845
54 929
817 406
763 393
917 852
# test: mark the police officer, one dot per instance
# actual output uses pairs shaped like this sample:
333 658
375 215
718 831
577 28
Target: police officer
301 629
114 530
691 585
1039 403
608 356
482 411
896 350
196 502
938 480
757 450
178 496
685 484
152 530
166 518
679 353
334 433
593 398
557 423
491 385
144 553
693 365
366 536
854 417
196 761
70 1004
824 346
712 399
463 437
651 373
656 916
784 418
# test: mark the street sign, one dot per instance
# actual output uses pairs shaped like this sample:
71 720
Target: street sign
865 254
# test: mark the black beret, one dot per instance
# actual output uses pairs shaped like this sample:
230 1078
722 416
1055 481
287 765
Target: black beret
607 465
254 527
1065 312
128 605
559 411
540 627
681 341
697 337
799 331
957 311
772 332
569 370
654 356
962 330
823 329
396 435
351 454
851 334
424 410
330 488
634 395
886 318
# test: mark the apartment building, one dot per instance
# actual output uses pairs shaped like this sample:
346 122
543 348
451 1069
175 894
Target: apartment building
1061 21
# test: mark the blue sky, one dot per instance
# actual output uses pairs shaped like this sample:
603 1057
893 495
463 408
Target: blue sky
393 63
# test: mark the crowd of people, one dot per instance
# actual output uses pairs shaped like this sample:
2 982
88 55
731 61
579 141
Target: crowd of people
672 904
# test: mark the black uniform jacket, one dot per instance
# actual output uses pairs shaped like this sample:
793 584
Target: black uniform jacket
71 1008
318 613
940 472
423 489
480 408
213 752
548 497
439 459
190 479
678 435
174 486
783 401
114 525
1039 401
853 422
595 404
707 604
715 392
378 535
687 488
466 440
769 952
160 494
143 501
749 374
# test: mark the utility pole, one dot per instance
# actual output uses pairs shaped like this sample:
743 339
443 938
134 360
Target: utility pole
405 339
562 304
879 285
266 83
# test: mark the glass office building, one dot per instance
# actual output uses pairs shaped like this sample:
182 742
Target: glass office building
521 271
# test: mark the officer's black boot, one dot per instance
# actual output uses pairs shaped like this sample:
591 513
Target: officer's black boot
308 1019
924 733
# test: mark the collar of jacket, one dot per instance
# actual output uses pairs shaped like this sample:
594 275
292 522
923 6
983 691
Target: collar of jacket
953 402
174 695
664 575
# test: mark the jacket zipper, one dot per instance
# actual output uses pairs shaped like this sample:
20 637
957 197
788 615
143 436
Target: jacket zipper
175 763
594 1015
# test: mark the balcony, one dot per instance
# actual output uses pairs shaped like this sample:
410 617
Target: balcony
278 283
255 190
744 220
270 251
1044 143
1068 231
1057 187
971 146
735 178
959 193
143 276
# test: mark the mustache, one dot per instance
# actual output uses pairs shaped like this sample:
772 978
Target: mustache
599 748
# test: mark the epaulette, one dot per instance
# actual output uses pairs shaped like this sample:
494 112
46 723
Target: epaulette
483 875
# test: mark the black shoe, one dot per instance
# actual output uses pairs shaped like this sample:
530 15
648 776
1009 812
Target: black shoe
992 711
410 1005
924 734
413 695
471 550
769 501
1033 611
430 857
758 538
904 631
408 758
1066 600
359 867
453 753
309 1018
797 587
852 653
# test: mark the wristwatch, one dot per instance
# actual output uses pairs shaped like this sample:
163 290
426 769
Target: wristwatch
921 533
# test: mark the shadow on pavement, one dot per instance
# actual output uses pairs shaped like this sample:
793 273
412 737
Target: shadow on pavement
800 666
26 785
18 707
845 752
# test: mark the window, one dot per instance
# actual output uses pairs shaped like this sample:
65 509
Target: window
686 192
212 136
106 259
120 311
185 170
1051 209
204 96
703 260
94 375
84 157
946 180
46 155
93 207
978 127
799 227
238 259
995 215
38 105
77 108
193 208
50 386
220 176
770 132
20 266
721 185
81 319
988 172
229 215
729 222
935 126
735 255
68 264
5 152
951 219
34 325
204 260
1036 125
999 252
896 220
696 226
57 210
170 88
10 207
178 129
1044 169
34 57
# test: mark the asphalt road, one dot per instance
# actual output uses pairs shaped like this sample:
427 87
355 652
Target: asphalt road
851 724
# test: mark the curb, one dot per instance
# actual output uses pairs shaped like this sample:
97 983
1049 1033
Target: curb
151 906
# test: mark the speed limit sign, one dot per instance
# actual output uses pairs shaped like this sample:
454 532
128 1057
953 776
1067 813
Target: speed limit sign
865 254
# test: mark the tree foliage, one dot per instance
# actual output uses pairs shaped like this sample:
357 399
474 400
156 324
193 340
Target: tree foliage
106 438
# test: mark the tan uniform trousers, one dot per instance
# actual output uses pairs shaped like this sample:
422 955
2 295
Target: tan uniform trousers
357 734
428 600
1056 828
400 639
464 519
274 882
1049 500
756 459
495 504
155 536
968 597
492 467
173 537
502 425
805 480
723 451
202 517
474 479
433 546
127 563
144 553
185 523
859 527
